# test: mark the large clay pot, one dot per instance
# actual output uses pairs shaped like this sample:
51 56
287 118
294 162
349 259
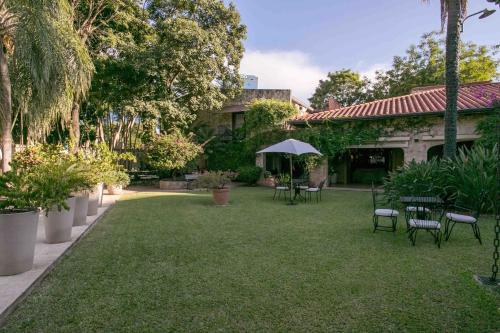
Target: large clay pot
81 208
115 189
17 241
94 200
58 224
221 196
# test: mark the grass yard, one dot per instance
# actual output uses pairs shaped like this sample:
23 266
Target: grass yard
161 262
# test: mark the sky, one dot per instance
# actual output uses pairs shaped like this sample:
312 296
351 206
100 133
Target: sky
292 44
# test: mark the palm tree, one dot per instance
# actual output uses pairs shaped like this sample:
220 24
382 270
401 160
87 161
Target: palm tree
452 13
43 64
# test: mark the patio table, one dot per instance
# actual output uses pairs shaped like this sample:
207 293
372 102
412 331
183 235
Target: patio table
420 199
298 186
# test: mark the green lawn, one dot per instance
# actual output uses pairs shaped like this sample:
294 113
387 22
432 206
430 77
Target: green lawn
163 262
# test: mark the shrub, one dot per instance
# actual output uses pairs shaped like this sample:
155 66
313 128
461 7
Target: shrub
464 179
249 174
45 185
418 178
367 176
214 179
171 152
473 174
118 177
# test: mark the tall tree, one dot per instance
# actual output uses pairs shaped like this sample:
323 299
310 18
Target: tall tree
90 19
345 86
425 63
176 60
43 64
452 11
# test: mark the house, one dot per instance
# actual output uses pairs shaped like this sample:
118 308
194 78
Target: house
372 160
231 117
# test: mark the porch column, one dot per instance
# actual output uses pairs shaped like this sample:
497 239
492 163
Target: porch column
319 173
260 161
416 150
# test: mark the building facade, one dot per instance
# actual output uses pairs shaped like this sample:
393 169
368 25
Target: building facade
373 160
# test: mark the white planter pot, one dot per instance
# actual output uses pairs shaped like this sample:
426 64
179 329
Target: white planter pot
115 189
17 241
58 224
101 193
81 209
95 198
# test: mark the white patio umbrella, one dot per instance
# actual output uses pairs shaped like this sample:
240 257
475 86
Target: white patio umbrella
291 147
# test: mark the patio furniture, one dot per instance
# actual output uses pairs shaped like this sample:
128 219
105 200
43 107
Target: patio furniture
316 190
190 179
291 147
380 209
427 216
280 188
464 215
299 186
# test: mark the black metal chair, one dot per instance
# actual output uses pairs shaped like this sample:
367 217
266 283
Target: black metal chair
280 188
427 216
384 206
316 190
461 214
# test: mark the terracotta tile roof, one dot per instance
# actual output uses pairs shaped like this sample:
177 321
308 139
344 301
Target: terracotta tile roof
423 100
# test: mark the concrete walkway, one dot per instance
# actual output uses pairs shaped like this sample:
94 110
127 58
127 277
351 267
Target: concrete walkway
14 288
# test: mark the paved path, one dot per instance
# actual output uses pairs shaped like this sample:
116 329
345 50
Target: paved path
14 288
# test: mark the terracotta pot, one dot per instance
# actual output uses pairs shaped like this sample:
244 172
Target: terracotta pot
221 196
115 189
17 241
58 224
81 208
95 198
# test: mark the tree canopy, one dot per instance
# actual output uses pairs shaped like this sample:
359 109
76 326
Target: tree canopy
345 86
422 65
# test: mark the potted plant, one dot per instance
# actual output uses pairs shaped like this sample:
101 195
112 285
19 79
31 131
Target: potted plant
18 223
56 182
219 182
117 180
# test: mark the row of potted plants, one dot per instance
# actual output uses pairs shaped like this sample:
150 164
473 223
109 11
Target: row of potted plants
61 188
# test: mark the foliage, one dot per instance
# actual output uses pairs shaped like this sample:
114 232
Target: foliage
49 63
424 64
418 178
267 114
344 86
169 62
171 152
18 192
118 177
223 155
473 176
283 179
368 176
463 179
214 179
249 174
489 129
47 183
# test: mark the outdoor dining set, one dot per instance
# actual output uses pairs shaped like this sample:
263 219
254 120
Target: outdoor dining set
424 212
303 190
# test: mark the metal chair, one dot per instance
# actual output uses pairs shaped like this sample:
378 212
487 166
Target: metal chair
316 190
427 216
462 214
281 188
386 212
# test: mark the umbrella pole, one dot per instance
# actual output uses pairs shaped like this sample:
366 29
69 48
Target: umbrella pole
292 202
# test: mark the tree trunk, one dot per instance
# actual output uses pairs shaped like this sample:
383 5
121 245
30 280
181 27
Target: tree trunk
452 78
74 129
6 111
